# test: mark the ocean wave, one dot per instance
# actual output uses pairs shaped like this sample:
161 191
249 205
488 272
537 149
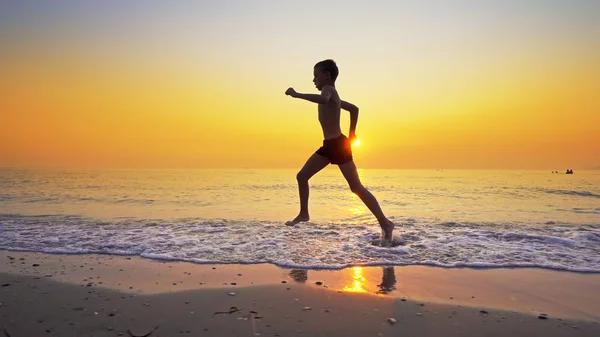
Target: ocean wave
572 192
312 245
6 197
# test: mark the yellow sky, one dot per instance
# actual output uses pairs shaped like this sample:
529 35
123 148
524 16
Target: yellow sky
439 84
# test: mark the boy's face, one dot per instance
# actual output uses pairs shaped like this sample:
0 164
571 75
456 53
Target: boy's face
320 78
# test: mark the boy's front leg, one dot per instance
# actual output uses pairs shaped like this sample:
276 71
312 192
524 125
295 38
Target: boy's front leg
303 216
313 165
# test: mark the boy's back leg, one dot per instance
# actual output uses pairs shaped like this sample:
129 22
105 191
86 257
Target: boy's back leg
351 174
313 165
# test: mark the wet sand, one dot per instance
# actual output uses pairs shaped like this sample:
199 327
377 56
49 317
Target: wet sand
98 295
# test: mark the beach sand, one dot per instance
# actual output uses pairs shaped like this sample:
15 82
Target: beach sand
99 295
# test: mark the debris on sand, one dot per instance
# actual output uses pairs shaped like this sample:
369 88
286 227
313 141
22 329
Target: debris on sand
143 335
230 311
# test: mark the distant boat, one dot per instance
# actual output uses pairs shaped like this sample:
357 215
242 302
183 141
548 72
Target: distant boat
569 172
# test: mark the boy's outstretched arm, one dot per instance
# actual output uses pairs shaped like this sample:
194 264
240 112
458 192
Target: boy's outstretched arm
353 109
323 98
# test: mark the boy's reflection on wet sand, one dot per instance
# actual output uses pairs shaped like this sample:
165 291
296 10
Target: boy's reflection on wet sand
387 285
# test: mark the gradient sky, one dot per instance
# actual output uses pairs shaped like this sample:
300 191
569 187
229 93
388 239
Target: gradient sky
200 84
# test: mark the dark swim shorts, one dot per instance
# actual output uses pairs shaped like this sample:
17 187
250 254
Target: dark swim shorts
337 150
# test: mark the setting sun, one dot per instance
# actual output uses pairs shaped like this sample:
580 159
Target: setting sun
356 142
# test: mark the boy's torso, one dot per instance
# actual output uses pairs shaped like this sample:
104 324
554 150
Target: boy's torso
329 116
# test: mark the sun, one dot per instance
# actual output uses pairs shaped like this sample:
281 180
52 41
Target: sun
356 143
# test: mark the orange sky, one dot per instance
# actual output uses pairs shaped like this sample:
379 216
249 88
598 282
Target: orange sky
155 85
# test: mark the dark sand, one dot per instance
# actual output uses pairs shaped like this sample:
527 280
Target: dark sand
95 295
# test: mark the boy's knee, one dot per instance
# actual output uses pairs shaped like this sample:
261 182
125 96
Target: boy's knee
357 189
301 177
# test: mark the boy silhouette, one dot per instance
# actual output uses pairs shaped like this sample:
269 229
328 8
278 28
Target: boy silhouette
336 147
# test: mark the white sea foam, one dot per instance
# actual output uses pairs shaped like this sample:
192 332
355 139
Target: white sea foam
312 245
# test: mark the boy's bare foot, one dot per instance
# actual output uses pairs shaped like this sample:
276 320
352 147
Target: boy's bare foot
387 230
386 243
299 218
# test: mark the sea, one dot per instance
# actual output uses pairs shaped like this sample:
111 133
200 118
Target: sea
444 218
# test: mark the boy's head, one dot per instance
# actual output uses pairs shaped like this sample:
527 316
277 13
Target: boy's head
325 73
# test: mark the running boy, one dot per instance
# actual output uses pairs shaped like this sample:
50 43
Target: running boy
336 146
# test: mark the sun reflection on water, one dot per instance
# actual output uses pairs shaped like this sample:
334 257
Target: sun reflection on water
358 281
356 211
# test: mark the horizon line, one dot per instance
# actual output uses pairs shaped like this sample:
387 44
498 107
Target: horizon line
281 168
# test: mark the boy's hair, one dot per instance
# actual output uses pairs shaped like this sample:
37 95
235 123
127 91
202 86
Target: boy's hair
329 66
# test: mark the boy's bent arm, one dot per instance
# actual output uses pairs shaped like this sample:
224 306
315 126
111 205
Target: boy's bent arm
349 107
353 109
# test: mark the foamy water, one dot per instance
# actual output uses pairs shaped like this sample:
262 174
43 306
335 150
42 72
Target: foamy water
445 218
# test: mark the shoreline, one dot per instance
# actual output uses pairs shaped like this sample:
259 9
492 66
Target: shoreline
268 310
102 295
529 291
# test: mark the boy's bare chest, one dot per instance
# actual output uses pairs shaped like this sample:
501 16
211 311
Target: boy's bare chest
333 107
329 112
